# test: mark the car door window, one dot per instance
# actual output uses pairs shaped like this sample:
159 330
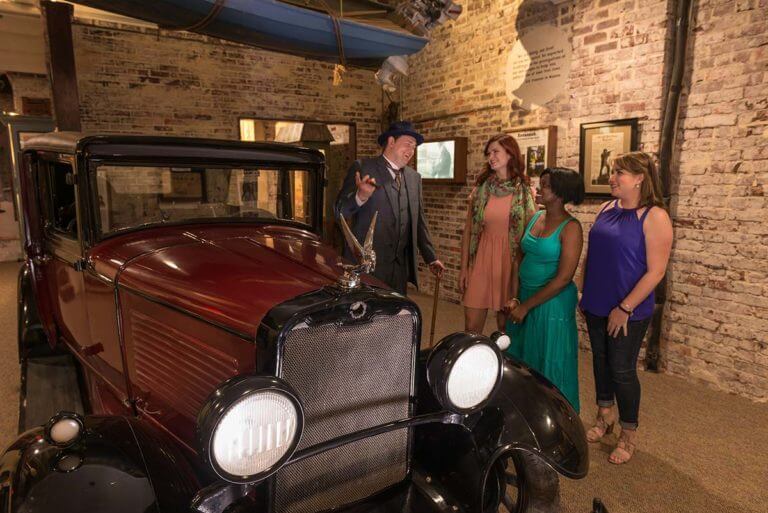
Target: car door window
58 201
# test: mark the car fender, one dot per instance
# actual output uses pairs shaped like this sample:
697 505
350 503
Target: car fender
117 465
527 412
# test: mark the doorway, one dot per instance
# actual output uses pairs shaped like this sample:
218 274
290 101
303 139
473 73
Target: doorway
336 140
14 129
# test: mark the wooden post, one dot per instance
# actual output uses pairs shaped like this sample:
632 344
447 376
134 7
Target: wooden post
57 26
434 311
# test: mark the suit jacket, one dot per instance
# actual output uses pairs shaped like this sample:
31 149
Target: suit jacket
384 201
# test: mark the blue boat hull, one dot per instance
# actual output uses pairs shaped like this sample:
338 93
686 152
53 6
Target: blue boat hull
272 25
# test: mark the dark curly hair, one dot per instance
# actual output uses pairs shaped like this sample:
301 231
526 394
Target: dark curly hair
565 183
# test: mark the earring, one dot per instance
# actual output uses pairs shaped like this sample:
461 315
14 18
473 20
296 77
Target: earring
637 186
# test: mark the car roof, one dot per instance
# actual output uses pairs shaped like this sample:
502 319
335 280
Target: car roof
136 146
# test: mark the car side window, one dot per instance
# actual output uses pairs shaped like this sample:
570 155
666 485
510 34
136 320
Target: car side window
58 201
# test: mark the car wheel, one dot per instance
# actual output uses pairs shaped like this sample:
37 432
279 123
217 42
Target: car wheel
531 485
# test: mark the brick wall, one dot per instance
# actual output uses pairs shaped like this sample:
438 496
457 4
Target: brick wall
133 81
717 316
715 327
28 85
616 69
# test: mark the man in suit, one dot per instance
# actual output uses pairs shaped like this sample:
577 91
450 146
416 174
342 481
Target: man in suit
387 185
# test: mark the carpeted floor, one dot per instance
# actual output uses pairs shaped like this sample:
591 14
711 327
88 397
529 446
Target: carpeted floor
9 355
700 450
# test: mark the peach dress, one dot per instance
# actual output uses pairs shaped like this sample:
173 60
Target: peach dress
490 274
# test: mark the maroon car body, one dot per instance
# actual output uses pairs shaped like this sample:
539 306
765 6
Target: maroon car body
169 269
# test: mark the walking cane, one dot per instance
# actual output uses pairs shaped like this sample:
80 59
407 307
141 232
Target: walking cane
434 311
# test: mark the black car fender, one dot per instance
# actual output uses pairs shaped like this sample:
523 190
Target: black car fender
530 414
117 465
526 414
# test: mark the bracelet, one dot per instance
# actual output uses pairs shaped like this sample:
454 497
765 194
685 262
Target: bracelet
516 300
627 311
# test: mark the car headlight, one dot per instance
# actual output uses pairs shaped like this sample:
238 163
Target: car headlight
501 339
464 370
249 427
64 429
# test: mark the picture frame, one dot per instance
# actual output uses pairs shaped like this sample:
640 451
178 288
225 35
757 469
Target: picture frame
538 147
598 143
187 185
442 160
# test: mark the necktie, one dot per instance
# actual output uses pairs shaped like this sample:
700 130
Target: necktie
398 177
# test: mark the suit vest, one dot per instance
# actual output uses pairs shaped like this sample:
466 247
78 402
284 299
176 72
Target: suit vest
402 220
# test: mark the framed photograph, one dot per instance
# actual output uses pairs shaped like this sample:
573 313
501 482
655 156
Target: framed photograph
186 185
443 160
599 143
538 146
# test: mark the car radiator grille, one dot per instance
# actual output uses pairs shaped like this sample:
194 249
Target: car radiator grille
348 378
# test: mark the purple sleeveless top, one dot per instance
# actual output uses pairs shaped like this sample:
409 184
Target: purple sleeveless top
616 261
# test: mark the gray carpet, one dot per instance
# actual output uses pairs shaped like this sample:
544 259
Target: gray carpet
9 358
700 450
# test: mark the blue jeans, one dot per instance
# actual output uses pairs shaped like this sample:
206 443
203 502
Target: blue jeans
614 361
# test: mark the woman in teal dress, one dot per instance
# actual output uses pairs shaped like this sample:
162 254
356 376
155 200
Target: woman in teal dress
542 320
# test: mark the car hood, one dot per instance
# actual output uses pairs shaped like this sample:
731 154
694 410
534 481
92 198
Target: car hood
229 275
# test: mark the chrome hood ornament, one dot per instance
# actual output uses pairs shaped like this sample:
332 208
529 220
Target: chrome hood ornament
364 254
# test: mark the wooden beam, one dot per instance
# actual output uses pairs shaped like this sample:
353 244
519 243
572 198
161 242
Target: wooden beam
57 25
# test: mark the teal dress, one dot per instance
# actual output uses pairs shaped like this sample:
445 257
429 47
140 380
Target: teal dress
547 339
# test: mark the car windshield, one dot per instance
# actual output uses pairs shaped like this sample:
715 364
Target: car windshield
129 196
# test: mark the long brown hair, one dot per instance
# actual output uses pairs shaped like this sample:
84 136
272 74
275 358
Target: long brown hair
640 163
515 166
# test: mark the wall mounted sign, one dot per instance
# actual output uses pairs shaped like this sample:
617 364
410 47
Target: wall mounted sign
538 66
599 143
538 146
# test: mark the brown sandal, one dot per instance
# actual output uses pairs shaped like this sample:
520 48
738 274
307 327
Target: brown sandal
601 428
624 450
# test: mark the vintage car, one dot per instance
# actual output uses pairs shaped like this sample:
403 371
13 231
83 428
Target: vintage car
224 359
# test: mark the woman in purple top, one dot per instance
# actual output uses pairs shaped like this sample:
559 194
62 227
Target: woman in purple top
629 246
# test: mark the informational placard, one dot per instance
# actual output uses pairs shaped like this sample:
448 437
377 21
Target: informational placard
538 146
538 66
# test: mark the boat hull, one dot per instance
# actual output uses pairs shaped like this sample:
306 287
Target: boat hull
271 25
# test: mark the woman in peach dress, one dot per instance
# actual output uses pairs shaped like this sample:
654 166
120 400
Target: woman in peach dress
499 209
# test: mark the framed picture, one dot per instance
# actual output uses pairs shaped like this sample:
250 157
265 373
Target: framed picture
443 160
186 185
599 143
538 146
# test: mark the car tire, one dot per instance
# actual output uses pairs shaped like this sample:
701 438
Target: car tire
532 486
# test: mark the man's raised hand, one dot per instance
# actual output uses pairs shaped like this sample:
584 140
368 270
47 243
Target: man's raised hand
365 186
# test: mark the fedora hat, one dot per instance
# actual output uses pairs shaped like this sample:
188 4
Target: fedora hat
399 128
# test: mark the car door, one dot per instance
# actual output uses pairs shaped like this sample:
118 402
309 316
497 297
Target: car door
37 259
110 391
61 258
